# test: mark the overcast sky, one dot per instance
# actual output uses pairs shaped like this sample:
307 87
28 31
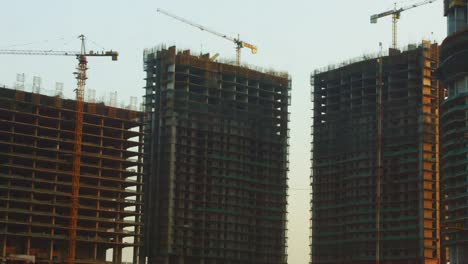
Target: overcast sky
297 36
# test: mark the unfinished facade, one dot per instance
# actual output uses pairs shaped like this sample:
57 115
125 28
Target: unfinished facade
454 132
346 225
36 155
217 161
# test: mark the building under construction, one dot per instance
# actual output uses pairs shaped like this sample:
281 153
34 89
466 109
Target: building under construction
454 132
217 161
351 223
36 156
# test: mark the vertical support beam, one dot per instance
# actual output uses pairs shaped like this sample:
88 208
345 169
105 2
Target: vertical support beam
33 174
440 250
57 168
5 237
117 258
98 201
138 218
379 159
171 186
5 229
4 244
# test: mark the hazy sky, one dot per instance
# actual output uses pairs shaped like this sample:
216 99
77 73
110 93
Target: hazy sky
297 36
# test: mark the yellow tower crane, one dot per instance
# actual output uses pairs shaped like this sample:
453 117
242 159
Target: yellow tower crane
239 43
81 79
396 12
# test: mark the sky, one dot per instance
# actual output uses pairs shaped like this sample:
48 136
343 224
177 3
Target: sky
296 36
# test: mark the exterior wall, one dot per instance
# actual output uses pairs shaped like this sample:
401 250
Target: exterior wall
36 155
344 162
217 141
456 12
454 137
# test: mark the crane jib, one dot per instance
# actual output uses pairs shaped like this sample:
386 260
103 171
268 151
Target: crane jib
395 13
239 44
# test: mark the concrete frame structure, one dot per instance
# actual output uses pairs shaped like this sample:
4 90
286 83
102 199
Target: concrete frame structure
36 150
344 160
217 161
454 131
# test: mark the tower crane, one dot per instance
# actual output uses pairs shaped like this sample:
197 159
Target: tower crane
239 43
81 77
396 12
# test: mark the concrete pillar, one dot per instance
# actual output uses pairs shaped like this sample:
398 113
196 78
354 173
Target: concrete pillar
4 243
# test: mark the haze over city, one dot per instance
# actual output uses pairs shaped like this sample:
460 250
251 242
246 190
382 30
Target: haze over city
294 36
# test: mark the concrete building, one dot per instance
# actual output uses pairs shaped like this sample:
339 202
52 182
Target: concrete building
454 131
36 155
217 161
349 221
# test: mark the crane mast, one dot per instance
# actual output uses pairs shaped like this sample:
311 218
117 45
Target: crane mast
395 13
81 78
81 81
239 43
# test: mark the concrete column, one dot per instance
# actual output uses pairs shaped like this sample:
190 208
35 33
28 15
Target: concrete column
4 246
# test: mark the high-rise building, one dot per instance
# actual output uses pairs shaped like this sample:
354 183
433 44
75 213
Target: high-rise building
350 224
36 156
454 131
217 161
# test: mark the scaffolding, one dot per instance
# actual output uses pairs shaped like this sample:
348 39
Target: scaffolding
345 160
36 155
216 170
